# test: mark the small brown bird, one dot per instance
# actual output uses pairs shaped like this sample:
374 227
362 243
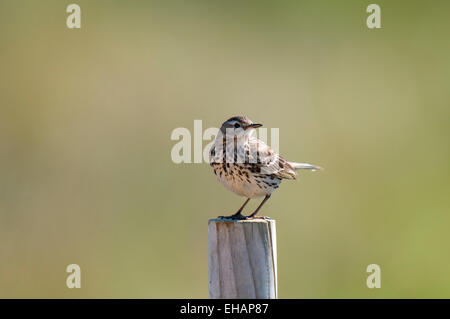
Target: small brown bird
246 165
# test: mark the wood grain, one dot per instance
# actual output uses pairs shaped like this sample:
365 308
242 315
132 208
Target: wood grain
242 258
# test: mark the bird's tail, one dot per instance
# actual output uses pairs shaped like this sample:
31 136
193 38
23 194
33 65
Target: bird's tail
305 166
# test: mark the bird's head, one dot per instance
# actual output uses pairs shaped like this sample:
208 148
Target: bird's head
239 126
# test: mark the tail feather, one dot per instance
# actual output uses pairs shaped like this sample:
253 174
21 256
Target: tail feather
305 166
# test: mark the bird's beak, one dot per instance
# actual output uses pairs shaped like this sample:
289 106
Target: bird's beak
254 125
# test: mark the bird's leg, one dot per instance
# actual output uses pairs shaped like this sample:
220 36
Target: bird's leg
259 207
238 214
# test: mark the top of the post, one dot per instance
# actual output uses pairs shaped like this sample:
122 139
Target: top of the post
258 219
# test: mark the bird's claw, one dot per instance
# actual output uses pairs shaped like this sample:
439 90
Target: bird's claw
235 217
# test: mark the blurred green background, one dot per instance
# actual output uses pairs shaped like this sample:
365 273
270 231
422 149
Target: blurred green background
86 115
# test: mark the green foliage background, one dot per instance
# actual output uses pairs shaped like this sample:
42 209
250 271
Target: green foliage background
86 116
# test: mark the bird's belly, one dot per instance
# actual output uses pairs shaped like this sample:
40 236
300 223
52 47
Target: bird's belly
249 190
243 185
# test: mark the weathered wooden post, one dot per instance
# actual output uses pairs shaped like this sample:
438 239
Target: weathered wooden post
242 258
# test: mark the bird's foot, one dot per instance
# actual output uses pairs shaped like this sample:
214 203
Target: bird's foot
237 216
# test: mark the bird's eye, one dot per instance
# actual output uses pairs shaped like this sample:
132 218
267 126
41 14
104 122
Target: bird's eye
236 125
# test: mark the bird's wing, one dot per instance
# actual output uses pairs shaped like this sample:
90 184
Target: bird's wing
269 162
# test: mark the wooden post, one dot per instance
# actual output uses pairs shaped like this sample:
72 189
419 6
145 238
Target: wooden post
242 258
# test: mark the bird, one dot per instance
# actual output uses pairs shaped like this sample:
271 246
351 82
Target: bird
247 166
